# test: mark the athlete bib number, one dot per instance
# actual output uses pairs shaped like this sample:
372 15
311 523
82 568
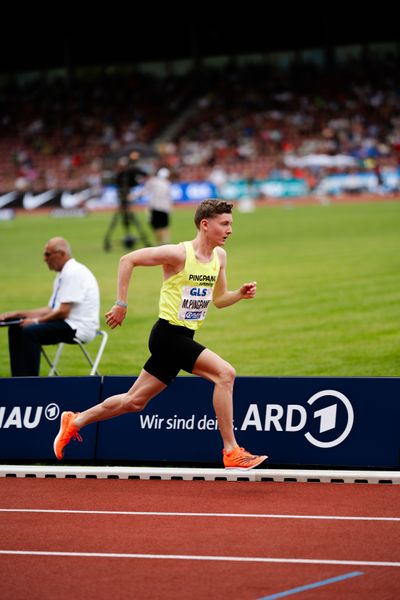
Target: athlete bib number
194 303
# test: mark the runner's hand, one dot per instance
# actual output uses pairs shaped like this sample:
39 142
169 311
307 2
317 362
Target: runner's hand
115 316
248 290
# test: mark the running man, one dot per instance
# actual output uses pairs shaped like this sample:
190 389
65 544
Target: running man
194 274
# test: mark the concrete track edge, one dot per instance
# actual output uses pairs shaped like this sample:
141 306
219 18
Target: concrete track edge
193 474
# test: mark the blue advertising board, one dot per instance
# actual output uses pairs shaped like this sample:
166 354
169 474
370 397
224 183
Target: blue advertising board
184 192
30 409
297 421
169 429
274 188
346 422
349 422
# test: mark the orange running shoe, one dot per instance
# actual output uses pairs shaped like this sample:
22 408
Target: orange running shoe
239 458
67 432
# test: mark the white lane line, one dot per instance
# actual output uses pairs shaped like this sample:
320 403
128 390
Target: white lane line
198 514
245 559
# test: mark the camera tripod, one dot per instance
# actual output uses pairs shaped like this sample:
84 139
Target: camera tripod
128 218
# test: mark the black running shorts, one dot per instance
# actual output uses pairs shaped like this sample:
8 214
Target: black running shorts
159 219
172 348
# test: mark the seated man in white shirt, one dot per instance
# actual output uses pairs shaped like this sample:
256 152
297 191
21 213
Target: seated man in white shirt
73 311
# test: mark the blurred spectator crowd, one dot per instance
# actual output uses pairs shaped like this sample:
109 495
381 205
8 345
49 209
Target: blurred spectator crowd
252 122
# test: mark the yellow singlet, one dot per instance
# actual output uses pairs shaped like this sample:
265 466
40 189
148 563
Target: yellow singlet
185 297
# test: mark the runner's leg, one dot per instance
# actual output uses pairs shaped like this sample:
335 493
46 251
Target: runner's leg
211 366
135 399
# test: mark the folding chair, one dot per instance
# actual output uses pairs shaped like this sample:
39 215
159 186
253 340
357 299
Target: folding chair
93 363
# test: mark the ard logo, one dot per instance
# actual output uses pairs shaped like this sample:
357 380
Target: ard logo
327 420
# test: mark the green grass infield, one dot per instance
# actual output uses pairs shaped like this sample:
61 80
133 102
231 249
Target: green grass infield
328 288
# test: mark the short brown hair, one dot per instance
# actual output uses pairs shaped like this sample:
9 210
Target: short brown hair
209 208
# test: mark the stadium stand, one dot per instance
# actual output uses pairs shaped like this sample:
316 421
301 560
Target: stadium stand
242 121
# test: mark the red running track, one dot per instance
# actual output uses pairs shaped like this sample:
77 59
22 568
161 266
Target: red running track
188 543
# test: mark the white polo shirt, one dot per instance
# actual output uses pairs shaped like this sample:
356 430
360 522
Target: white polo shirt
159 193
77 285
